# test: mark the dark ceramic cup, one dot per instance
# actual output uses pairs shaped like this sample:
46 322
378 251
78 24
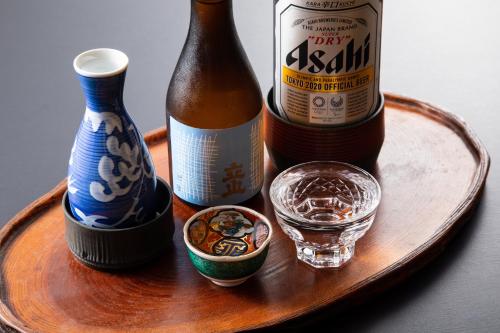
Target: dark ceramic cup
111 249
290 144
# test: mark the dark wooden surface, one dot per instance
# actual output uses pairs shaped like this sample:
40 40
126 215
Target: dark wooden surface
415 221
445 52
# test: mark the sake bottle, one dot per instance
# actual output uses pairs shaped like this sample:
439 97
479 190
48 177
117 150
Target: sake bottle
214 117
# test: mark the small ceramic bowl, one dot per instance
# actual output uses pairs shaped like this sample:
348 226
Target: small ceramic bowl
227 244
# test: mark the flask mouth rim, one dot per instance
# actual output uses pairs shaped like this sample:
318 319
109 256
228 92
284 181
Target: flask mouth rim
100 63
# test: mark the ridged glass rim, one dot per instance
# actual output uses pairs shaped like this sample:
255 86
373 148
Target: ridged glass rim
282 211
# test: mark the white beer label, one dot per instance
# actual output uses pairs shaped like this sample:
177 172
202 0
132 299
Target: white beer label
327 60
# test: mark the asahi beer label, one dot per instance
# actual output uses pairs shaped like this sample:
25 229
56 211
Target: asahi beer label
217 167
327 60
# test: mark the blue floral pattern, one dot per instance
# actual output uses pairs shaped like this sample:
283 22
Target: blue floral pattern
111 177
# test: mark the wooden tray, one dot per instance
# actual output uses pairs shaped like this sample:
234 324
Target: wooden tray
432 170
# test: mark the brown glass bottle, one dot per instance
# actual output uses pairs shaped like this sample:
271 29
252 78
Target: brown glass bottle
214 112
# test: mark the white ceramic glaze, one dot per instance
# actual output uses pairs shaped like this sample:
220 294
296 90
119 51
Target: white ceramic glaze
227 283
98 63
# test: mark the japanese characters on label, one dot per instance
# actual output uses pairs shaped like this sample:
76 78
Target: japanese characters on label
327 60
217 167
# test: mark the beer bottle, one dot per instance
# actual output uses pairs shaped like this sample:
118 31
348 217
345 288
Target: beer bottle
327 60
214 116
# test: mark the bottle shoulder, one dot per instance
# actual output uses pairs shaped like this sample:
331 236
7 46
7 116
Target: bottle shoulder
213 86
214 110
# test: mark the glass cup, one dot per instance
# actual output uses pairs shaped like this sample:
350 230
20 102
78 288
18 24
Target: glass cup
325 207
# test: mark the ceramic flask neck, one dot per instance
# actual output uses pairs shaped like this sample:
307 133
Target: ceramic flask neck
104 94
102 78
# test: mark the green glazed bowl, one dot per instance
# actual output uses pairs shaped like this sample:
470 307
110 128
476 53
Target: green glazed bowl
227 244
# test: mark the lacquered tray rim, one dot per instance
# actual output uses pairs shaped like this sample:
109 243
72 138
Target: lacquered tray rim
457 218
445 232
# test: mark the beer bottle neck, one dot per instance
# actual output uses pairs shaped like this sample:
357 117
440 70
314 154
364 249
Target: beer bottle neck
212 17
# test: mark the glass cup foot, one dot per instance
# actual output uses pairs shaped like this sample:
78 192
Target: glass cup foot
327 257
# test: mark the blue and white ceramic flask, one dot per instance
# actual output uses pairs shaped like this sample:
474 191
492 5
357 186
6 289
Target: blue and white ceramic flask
111 177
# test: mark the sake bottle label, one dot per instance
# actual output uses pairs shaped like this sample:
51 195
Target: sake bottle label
217 167
327 60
